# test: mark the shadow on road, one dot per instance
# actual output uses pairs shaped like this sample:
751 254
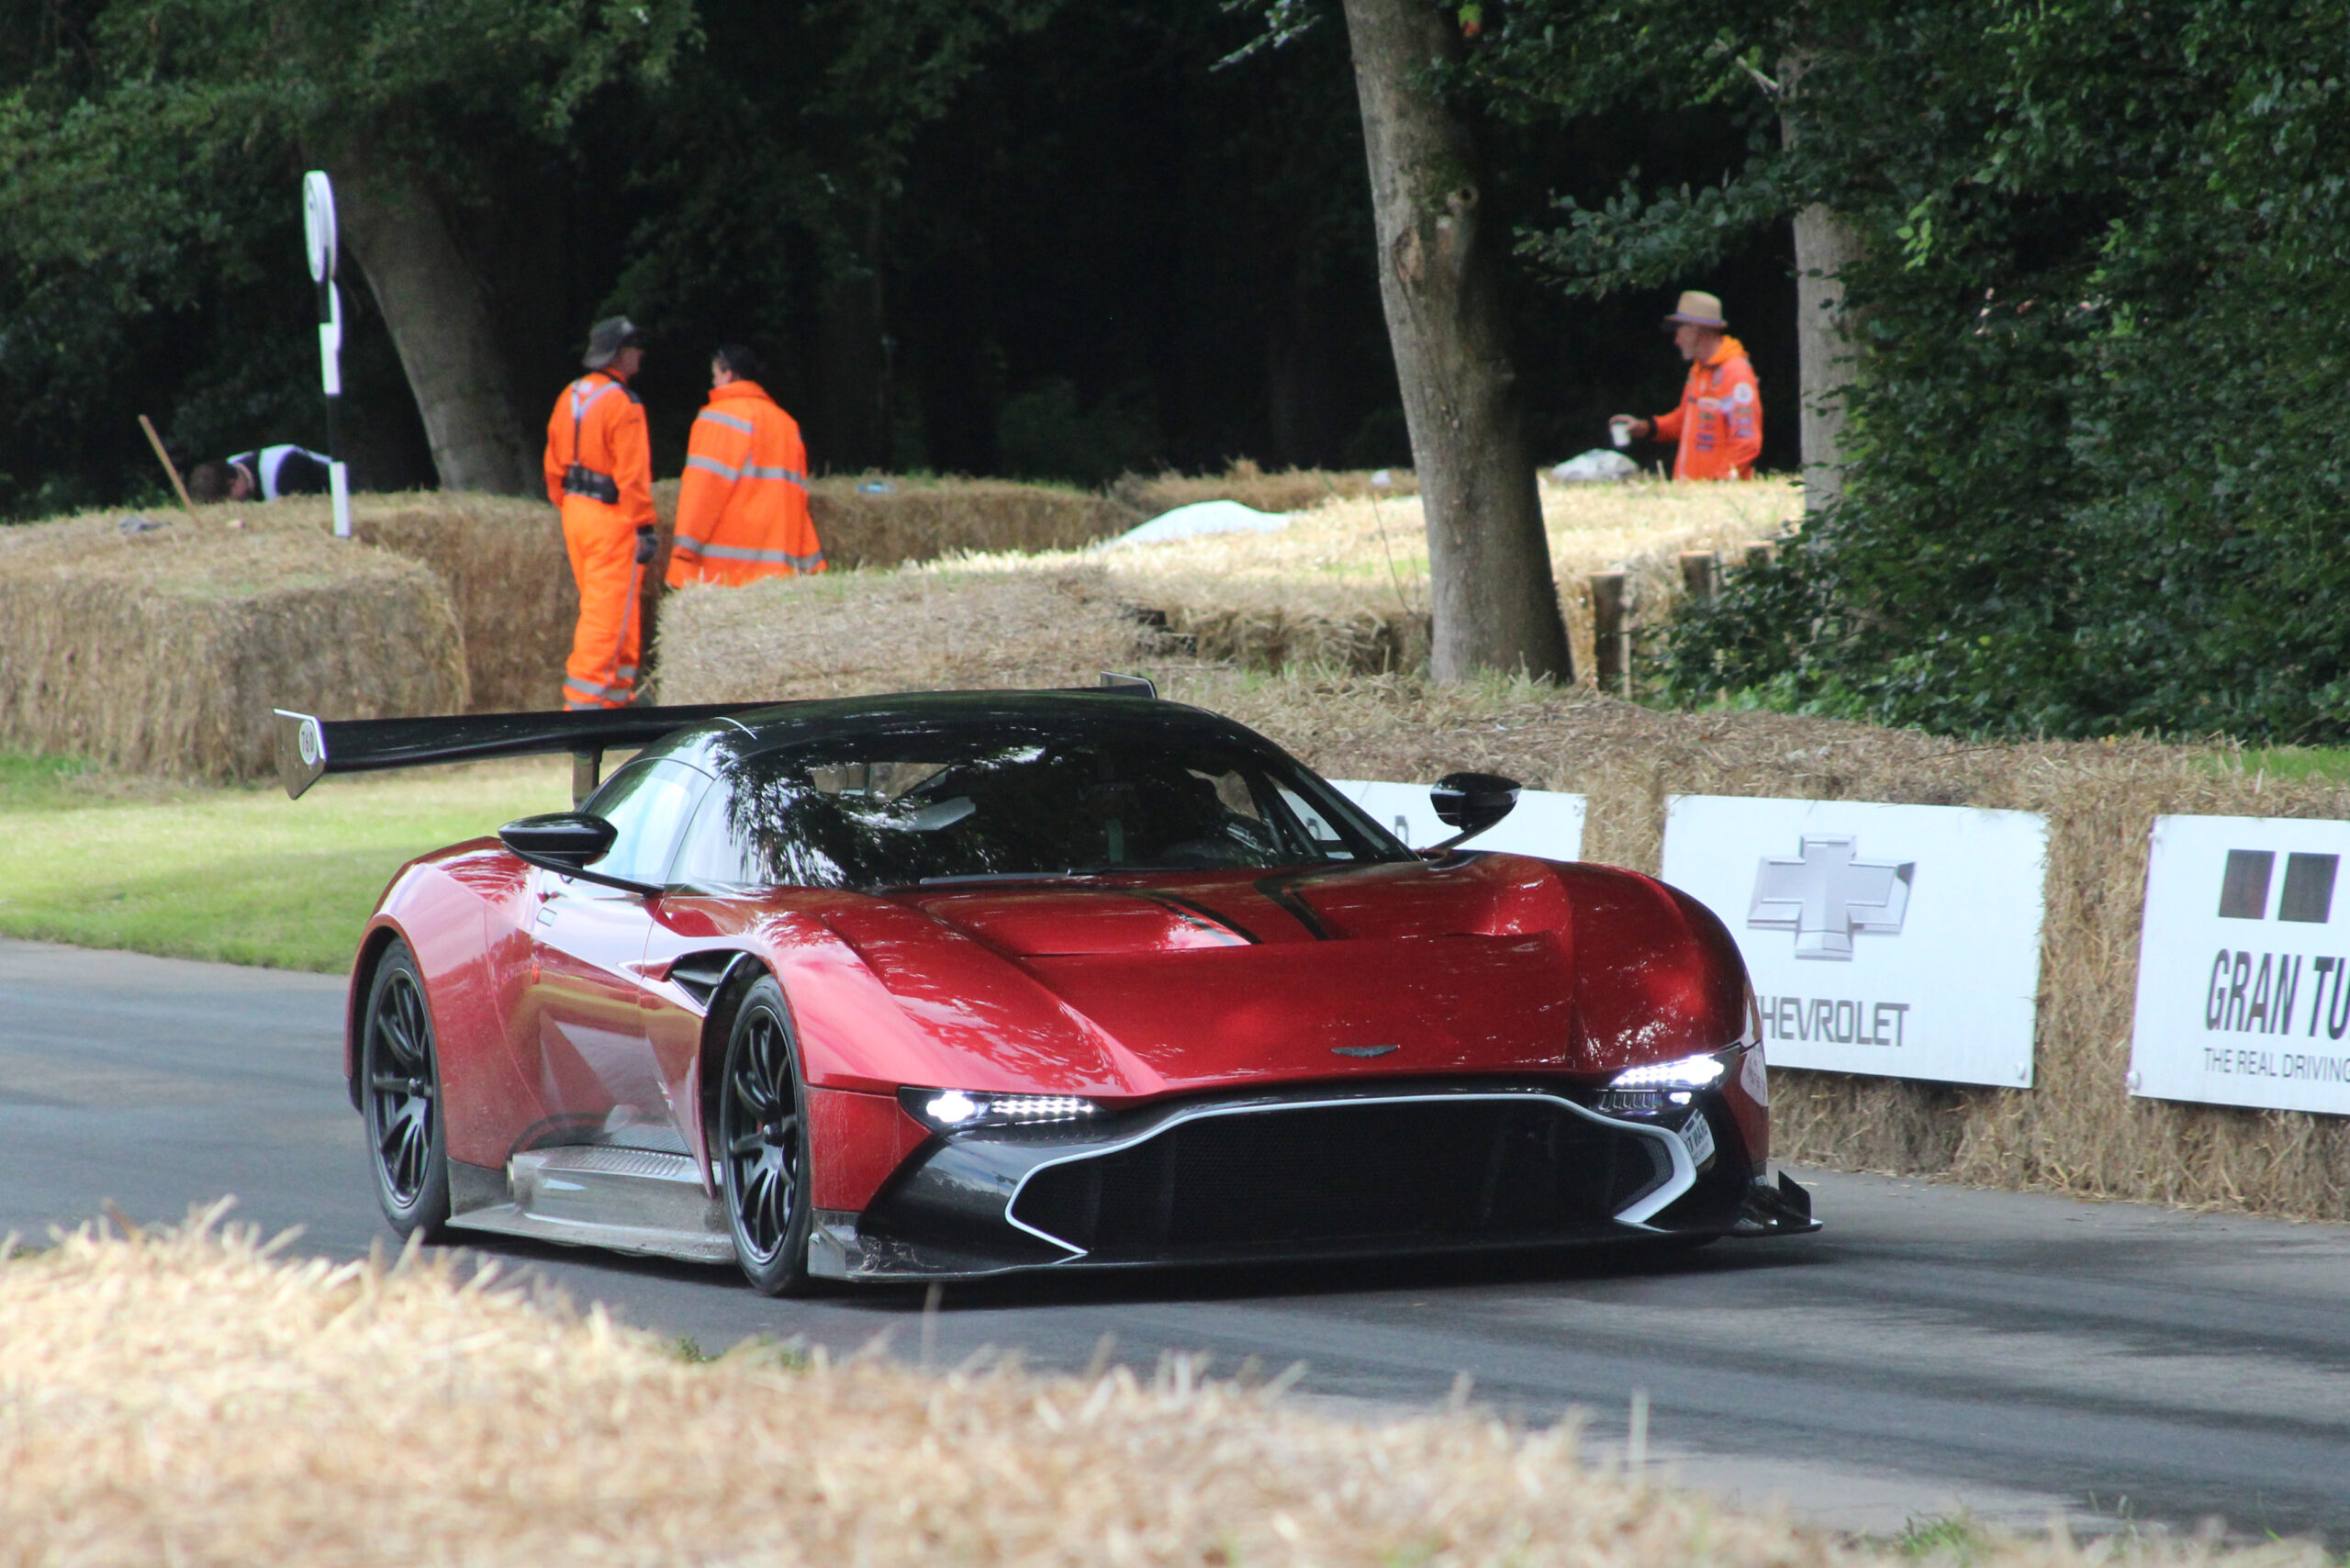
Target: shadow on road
1236 1282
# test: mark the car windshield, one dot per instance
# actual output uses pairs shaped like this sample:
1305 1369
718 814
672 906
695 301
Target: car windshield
894 810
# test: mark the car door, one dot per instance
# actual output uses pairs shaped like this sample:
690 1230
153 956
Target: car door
597 1078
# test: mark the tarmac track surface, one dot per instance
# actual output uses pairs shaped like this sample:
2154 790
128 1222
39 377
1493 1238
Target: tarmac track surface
1934 1348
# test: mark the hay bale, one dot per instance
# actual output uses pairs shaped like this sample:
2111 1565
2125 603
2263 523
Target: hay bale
920 519
164 652
499 558
1346 585
503 565
914 629
1293 489
2078 1131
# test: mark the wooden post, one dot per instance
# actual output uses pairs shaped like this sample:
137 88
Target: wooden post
1697 573
169 467
1611 639
1762 554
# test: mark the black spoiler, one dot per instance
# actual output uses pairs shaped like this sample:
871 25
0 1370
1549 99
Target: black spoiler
309 748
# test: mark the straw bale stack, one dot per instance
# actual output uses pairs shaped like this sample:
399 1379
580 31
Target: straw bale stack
1346 584
187 1398
163 651
920 519
503 565
1291 490
917 628
2078 1131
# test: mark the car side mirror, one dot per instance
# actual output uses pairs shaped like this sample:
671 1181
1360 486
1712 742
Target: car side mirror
1472 802
567 843
560 840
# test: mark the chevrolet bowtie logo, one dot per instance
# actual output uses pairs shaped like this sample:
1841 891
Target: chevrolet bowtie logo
1826 894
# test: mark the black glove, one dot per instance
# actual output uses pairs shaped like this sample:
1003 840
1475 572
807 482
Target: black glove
646 542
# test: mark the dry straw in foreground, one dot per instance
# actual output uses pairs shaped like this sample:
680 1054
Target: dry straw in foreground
185 1398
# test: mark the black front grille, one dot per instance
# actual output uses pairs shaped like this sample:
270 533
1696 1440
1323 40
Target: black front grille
1369 1173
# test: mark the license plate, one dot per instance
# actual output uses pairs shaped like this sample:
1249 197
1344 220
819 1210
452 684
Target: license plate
1698 1137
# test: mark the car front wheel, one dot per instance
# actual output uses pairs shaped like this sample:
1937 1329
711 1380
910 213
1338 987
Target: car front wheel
400 1093
762 1150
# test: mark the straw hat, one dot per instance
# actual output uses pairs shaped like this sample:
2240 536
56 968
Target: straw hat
1699 309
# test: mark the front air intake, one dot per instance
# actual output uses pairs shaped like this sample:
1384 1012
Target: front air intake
1380 1173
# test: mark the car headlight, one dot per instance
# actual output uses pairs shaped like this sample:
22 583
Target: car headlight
1661 1085
954 1110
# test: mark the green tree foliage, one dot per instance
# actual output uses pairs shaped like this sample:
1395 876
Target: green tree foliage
151 150
148 147
968 235
2093 481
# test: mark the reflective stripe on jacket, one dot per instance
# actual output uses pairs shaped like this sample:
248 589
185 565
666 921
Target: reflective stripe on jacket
742 510
609 419
1719 422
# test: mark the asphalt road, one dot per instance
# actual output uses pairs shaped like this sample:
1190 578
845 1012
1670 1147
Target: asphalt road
1934 1348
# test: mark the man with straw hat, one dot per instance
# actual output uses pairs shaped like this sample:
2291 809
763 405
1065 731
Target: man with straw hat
600 471
1719 422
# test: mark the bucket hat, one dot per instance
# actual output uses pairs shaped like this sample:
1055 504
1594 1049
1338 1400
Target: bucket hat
606 338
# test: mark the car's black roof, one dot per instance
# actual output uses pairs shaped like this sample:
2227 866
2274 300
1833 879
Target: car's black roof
982 715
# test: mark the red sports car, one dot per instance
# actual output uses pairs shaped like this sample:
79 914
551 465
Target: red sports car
951 984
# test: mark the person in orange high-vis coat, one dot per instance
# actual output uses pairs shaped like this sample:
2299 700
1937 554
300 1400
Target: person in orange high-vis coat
742 510
1719 422
600 471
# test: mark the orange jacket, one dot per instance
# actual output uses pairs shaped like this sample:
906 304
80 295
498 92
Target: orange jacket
1719 422
743 510
612 444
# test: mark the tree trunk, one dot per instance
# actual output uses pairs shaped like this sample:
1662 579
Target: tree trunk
1440 278
434 305
1825 245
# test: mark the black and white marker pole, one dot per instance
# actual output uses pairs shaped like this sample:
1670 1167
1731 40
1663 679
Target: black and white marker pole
317 229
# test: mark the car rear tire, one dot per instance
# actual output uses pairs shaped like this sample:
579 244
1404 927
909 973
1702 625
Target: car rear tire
764 1159
399 1084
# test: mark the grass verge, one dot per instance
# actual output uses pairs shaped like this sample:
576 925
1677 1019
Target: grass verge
243 876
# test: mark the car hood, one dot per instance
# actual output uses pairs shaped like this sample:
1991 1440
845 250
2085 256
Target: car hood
1141 985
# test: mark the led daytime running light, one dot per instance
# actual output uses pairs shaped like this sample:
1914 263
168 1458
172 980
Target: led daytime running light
951 1109
1689 1073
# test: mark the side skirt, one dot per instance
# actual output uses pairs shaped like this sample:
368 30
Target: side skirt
626 1200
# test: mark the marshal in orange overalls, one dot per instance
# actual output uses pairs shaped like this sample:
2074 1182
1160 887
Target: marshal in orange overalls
742 510
600 471
1719 422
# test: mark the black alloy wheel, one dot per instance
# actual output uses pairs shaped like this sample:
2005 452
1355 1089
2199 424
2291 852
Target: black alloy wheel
401 1090
762 1144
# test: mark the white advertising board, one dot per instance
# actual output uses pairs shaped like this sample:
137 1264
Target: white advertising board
1543 823
2241 993
1902 941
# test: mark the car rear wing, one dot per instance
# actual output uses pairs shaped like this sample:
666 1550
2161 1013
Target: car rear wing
309 748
